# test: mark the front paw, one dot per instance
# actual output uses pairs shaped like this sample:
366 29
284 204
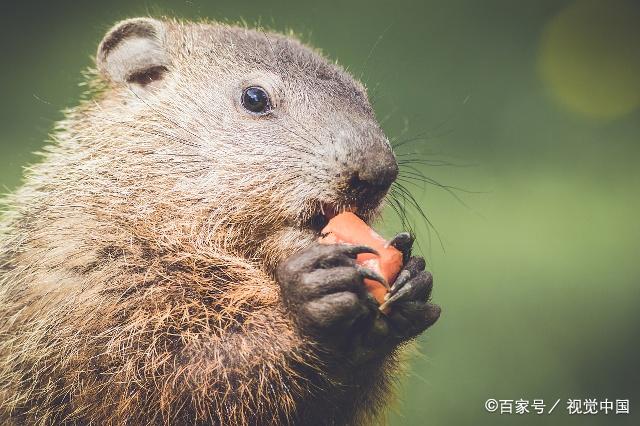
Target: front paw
410 311
322 287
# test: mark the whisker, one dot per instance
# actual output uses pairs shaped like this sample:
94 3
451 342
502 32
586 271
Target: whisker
408 197
399 209
373 48
418 175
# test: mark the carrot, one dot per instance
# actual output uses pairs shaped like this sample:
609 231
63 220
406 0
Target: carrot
348 228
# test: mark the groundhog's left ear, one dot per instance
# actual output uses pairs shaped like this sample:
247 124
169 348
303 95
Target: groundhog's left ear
133 52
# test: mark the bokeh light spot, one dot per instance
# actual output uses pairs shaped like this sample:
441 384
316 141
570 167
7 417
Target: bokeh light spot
590 57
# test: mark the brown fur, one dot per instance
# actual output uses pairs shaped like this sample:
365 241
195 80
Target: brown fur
137 260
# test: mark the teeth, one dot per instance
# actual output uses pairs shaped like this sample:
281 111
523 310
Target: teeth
329 210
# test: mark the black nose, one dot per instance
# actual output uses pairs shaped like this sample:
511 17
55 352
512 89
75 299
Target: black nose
373 175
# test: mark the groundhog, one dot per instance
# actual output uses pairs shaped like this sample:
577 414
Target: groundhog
160 264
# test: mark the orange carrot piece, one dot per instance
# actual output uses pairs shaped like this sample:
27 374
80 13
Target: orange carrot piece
347 228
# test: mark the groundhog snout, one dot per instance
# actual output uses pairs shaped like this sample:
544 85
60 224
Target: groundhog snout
369 175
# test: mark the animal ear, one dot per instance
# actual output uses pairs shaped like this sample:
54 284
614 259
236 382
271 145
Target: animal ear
133 52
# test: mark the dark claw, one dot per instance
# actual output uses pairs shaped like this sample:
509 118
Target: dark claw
326 256
418 288
411 268
403 242
343 254
354 251
395 297
371 274
403 277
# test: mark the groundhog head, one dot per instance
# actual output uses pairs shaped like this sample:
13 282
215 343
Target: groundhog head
251 128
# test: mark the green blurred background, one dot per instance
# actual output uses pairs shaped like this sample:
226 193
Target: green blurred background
533 107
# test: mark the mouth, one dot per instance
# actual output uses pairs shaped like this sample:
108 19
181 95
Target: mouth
322 212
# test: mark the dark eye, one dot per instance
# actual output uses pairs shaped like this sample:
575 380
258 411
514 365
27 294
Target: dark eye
256 100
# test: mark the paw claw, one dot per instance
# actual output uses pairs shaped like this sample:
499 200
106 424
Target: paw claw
355 250
372 275
392 299
401 280
416 288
